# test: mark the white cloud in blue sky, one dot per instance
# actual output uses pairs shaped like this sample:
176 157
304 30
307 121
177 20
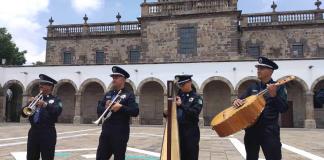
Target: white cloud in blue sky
27 19
87 5
20 18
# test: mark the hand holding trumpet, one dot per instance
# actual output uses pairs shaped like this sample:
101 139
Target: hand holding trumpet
39 103
115 107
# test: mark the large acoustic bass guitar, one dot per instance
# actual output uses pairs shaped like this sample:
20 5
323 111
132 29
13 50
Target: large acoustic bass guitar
234 119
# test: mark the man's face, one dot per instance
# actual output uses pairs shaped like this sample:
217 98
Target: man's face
46 88
264 72
118 81
186 87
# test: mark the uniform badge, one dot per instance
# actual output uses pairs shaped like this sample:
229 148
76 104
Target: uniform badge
260 60
108 97
200 101
60 104
191 99
51 101
254 91
123 96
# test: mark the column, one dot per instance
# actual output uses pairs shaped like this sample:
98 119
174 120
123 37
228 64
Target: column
136 120
77 111
309 121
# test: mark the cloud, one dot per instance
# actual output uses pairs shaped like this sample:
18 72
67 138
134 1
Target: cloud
20 18
83 6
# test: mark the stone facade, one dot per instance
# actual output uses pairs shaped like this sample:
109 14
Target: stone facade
222 33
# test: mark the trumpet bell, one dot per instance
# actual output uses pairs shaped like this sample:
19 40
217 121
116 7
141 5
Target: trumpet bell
96 122
28 111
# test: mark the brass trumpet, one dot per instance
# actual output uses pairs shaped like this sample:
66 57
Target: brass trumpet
31 108
107 113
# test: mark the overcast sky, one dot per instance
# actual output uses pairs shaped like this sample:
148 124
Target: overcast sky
26 20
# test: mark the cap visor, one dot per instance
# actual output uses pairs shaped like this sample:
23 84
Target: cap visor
263 65
116 74
44 81
181 82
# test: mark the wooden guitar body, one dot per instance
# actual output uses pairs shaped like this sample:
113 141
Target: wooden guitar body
233 119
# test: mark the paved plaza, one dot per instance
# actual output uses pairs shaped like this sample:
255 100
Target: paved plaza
79 142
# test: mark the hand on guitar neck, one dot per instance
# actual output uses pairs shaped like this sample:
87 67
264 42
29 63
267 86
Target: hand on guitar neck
272 89
238 102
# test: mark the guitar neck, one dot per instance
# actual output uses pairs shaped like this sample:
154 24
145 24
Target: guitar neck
279 83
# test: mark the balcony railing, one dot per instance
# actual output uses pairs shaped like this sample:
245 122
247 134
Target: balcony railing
184 7
93 29
282 18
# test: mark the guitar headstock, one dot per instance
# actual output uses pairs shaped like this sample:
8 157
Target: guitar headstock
285 80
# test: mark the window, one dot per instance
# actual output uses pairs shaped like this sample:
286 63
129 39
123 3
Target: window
134 56
297 50
82 59
67 58
100 57
188 40
254 51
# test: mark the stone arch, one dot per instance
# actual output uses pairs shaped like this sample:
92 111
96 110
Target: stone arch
139 87
217 93
90 80
216 78
244 83
316 83
11 82
296 92
129 85
195 86
92 90
66 89
12 101
32 88
318 88
62 82
151 93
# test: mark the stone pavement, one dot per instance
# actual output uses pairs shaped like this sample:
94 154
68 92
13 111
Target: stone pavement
79 142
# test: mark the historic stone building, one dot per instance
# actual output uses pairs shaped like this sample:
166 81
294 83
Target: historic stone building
210 39
189 31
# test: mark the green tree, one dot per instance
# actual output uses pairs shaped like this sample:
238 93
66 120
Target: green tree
9 50
38 63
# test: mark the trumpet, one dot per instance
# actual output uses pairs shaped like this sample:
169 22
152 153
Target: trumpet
31 108
107 113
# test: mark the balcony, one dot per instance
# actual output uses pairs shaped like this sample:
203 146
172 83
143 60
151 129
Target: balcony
93 29
282 18
150 9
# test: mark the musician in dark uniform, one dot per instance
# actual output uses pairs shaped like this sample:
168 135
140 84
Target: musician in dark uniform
266 131
42 134
189 105
115 130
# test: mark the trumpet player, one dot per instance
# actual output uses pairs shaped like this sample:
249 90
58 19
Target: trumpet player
115 130
43 112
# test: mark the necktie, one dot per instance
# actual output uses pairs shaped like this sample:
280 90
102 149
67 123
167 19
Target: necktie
36 116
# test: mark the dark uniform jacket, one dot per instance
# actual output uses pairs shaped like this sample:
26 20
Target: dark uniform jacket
129 107
48 116
188 112
274 105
